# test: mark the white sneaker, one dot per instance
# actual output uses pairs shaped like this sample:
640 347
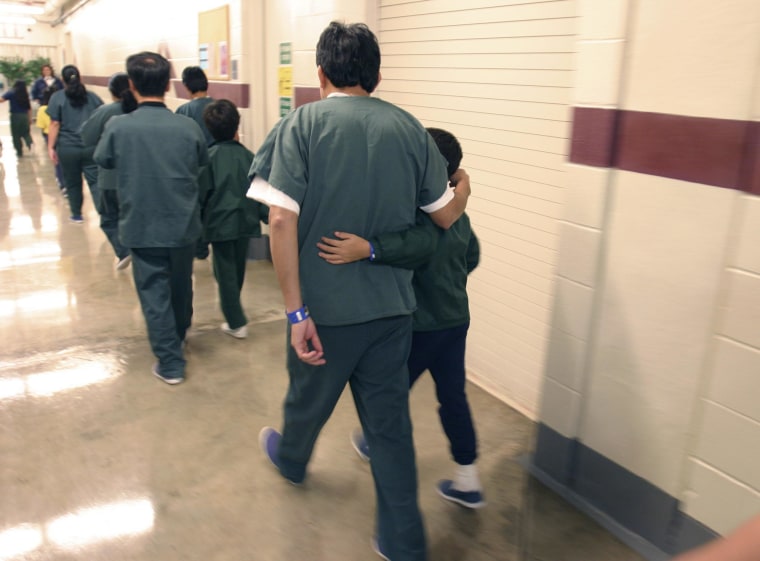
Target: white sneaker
122 264
239 333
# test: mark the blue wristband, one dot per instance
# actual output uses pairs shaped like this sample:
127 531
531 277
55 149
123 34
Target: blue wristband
297 316
372 255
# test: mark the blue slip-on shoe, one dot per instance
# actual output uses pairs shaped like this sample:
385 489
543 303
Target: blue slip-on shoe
360 444
76 219
171 380
468 499
377 549
269 441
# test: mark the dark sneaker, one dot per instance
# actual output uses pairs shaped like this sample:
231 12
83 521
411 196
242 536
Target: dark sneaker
468 499
269 441
172 380
360 444
377 549
76 219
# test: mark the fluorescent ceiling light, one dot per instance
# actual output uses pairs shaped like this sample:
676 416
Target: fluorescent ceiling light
7 8
17 20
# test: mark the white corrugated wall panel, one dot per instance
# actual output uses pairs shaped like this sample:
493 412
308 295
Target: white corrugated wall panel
497 74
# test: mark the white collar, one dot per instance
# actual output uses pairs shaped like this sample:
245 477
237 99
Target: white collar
339 94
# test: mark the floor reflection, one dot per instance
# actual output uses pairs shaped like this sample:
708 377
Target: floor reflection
75 531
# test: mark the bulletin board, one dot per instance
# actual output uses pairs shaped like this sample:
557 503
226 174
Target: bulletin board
214 42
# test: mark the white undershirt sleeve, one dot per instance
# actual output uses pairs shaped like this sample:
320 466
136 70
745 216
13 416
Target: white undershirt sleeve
260 190
440 203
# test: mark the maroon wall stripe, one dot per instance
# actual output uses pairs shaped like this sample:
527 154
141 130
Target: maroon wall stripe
693 149
96 80
593 137
237 93
750 173
720 152
304 95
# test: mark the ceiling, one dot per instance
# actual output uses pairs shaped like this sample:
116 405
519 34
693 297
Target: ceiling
52 10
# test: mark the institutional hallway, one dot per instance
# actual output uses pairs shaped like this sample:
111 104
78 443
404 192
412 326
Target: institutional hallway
102 461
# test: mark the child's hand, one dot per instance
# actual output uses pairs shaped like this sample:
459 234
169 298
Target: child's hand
460 181
347 248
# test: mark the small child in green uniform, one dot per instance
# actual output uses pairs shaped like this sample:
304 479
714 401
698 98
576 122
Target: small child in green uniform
230 219
441 260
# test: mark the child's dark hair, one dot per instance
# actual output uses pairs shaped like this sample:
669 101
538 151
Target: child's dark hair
194 79
21 94
349 55
47 93
149 73
118 85
449 146
222 119
75 90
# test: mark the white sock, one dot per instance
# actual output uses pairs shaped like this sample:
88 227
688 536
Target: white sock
466 478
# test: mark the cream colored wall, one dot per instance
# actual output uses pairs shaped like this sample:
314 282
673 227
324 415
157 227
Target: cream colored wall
27 42
105 32
498 75
584 221
655 353
300 23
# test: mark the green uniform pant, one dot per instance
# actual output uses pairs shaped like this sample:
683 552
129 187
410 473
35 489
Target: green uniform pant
163 279
229 269
20 131
370 357
107 206
76 161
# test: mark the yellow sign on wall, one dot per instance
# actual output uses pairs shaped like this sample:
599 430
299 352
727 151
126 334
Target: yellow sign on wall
285 75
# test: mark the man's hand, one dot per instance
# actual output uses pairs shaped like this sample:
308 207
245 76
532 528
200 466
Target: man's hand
344 248
53 155
304 335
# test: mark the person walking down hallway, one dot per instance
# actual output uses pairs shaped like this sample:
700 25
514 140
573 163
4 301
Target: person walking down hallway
354 163
20 116
230 219
196 82
48 80
68 110
157 156
123 102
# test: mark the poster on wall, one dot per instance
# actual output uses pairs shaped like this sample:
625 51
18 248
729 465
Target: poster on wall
285 79
213 42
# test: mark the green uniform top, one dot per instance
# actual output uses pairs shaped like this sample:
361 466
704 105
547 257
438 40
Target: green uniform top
441 260
194 109
92 130
226 212
353 164
157 156
71 118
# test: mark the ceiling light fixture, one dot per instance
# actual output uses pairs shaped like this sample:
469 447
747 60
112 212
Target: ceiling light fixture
7 8
17 20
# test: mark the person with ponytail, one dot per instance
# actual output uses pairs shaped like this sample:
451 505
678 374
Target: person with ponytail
108 202
21 115
68 110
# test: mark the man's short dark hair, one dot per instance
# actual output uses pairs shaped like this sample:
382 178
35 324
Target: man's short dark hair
194 79
222 119
449 146
149 73
349 55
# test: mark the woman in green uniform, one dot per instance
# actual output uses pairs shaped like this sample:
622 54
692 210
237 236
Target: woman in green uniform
68 110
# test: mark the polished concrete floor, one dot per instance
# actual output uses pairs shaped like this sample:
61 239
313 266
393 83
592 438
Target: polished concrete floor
101 461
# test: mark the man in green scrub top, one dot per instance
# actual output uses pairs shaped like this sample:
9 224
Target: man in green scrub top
157 156
351 161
